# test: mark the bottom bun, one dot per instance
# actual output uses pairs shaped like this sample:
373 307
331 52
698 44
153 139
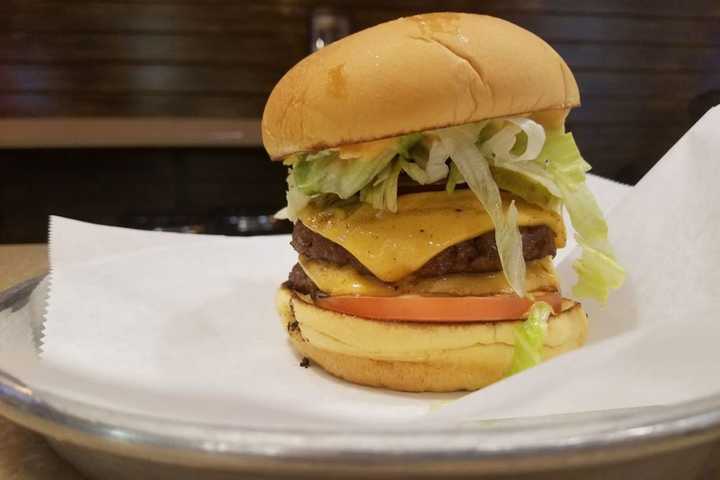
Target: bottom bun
441 369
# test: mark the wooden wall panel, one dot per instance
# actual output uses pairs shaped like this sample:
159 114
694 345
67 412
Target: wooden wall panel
231 75
185 57
123 78
92 104
646 69
152 48
255 17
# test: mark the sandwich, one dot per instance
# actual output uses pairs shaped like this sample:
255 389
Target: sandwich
428 170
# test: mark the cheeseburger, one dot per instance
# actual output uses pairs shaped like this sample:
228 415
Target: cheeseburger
429 167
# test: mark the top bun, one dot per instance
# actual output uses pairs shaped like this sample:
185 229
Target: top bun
414 74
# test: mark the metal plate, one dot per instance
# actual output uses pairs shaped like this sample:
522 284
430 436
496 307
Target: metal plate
662 442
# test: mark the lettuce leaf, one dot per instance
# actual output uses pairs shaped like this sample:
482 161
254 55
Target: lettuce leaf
513 154
327 172
374 194
406 143
415 171
561 157
529 338
529 181
598 271
391 187
453 179
550 176
586 216
474 167
296 200
383 195
436 167
503 145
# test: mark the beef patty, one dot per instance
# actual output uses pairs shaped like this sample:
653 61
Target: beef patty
476 255
299 281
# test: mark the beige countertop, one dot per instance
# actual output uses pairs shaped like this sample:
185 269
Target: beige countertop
23 454
21 262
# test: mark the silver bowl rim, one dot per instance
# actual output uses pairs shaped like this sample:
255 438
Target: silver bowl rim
65 418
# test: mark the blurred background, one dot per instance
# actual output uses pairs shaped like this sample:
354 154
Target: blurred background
145 113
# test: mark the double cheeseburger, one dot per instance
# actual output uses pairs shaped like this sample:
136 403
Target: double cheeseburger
428 169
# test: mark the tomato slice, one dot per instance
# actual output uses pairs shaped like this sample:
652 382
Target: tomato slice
416 308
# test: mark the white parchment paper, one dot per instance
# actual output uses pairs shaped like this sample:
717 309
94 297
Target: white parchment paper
184 326
656 342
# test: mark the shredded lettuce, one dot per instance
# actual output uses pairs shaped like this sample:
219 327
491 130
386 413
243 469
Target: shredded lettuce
549 170
532 171
407 142
513 150
597 269
529 338
438 156
474 167
327 172
454 178
567 168
561 157
383 195
415 171
374 194
296 200
515 154
526 187
585 214
502 146
391 187
598 273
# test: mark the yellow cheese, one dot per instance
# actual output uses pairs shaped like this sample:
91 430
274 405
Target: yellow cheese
337 280
394 245
366 149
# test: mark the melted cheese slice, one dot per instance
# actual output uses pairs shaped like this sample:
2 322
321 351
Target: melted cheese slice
394 245
366 149
336 280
